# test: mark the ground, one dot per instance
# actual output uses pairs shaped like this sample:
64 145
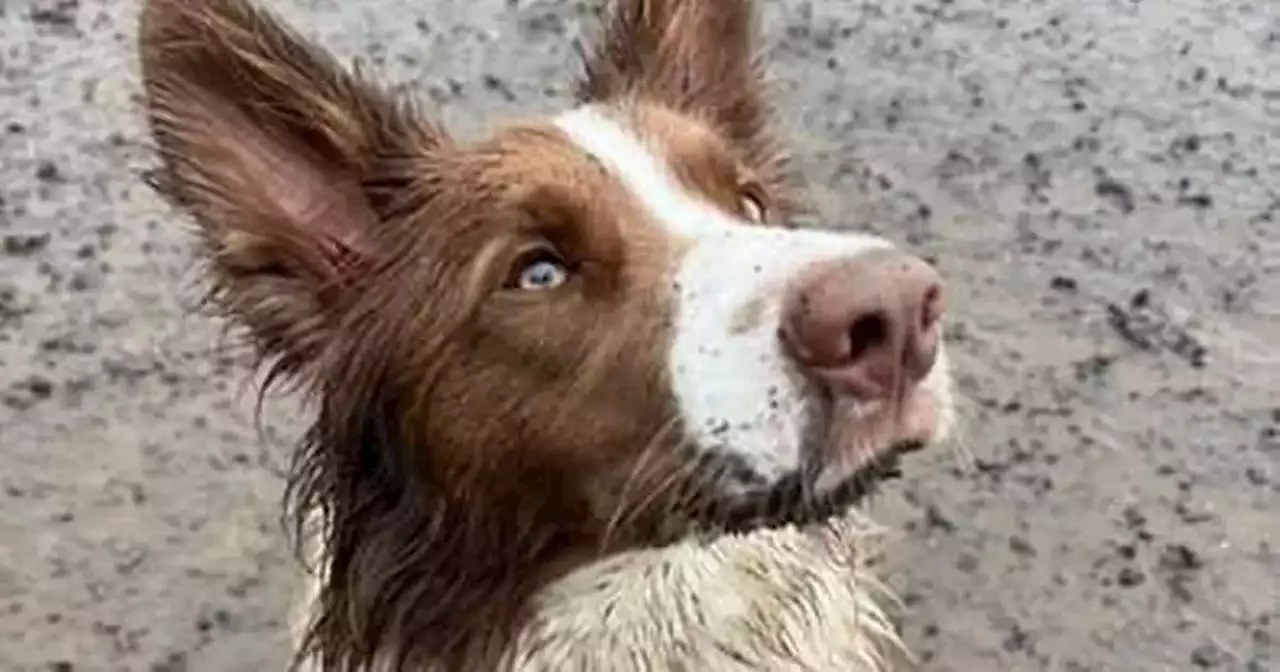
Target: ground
1098 179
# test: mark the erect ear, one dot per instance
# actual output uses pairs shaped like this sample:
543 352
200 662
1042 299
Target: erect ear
284 159
696 56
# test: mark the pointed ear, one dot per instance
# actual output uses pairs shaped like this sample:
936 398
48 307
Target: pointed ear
696 56
282 157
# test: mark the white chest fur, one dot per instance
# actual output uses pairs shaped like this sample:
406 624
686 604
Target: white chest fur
778 600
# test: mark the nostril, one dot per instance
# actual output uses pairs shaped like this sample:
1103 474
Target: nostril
866 333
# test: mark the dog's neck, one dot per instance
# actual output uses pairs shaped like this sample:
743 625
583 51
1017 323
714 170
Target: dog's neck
774 599
492 584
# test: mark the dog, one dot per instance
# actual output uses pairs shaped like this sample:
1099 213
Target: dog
584 398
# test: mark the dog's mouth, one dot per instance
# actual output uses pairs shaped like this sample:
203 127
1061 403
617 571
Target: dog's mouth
848 458
793 500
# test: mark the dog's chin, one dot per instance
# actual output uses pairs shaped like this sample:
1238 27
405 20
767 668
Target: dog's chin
852 451
796 500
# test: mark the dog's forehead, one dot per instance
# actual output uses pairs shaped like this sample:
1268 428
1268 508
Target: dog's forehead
685 176
638 136
529 154
599 141
635 168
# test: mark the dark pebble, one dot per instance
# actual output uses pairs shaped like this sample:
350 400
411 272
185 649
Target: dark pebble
1180 558
1208 656
1130 577
1117 194
24 244
48 171
1063 283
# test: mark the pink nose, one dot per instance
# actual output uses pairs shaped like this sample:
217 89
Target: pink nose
867 326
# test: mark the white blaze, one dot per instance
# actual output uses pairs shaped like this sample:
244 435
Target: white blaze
736 389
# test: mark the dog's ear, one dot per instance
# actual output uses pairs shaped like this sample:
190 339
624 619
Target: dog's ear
281 156
696 56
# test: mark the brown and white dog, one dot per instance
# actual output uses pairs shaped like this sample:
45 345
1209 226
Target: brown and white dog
584 401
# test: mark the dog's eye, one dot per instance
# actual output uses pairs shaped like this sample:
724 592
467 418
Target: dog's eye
540 270
753 205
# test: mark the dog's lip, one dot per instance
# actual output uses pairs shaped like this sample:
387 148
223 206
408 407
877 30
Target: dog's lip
857 437
851 451
793 503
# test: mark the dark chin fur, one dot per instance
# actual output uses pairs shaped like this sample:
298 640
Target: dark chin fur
791 501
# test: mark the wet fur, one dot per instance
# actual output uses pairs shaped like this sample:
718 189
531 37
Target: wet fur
411 550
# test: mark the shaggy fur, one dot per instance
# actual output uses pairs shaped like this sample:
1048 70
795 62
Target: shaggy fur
780 599
483 488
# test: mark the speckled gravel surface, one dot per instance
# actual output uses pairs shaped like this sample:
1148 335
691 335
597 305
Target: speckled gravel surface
1099 179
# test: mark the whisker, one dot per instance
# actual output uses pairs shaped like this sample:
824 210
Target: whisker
662 489
633 476
959 445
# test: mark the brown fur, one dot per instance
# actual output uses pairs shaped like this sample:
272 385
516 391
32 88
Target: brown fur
697 59
704 163
470 444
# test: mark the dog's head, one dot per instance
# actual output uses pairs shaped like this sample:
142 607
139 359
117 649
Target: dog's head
580 333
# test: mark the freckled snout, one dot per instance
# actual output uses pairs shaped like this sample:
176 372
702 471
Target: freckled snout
867 326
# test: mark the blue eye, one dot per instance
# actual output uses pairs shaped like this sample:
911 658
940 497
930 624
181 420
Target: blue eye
542 274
